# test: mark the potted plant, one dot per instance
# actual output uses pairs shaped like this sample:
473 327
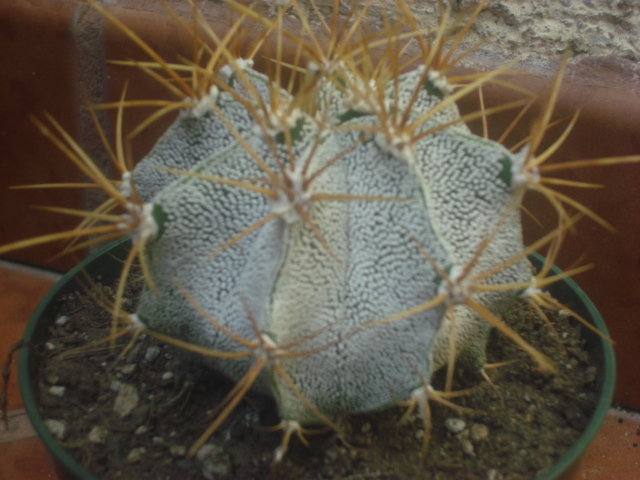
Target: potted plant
330 234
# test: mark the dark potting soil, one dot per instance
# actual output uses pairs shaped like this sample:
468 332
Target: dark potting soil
134 417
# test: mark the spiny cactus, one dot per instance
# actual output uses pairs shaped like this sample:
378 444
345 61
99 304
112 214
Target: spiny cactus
331 236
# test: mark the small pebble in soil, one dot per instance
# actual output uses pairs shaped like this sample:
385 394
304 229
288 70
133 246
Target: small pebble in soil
98 434
493 474
62 320
126 400
454 425
57 390
136 454
56 427
212 461
151 354
479 432
128 369
467 447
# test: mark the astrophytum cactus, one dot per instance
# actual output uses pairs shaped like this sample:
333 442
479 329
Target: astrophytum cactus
330 239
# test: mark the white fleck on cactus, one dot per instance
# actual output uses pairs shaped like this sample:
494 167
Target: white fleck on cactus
331 240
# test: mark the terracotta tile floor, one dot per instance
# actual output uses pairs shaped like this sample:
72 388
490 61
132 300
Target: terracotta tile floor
614 455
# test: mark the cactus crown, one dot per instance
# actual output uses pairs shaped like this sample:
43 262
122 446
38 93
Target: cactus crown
329 232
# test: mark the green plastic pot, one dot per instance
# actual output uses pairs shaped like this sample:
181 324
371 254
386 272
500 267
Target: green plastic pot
105 266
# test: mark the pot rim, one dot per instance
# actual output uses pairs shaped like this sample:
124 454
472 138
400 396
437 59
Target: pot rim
582 305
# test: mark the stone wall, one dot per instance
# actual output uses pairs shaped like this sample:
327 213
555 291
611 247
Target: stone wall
602 36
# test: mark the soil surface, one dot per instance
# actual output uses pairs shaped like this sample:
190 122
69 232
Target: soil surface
134 416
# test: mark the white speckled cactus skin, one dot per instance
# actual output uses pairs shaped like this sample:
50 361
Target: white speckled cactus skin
318 297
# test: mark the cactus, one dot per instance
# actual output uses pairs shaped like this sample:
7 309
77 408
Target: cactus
329 237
